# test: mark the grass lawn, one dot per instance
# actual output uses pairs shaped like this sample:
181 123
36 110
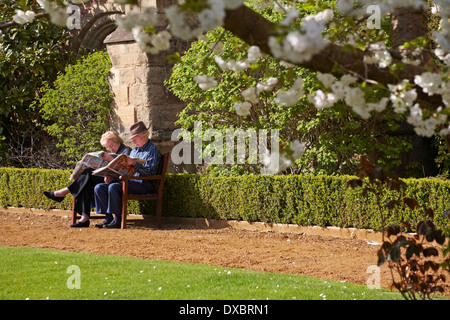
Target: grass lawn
40 274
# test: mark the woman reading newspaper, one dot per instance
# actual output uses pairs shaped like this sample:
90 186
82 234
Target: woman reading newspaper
84 182
108 196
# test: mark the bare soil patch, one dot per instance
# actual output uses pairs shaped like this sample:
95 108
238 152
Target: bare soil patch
332 258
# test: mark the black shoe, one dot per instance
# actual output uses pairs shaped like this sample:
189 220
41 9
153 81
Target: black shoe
81 224
115 224
52 196
108 220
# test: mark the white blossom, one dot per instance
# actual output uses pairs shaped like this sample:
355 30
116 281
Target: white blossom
251 95
435 9
322 100
213 17
290 97
446 93
143 39
291 16
209 18
266 86
379 55
161 41
400 97
242 108
275 162
133 19
231 65
441 54
286 65
362 111
22 17
298 148
430 82
253 54
354 97
57 14
326 79
178 25
205 82
378 106
338 89
443 34
423 127
348 79
300 46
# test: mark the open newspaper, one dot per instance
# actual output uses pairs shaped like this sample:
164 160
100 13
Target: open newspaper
92 160
117 167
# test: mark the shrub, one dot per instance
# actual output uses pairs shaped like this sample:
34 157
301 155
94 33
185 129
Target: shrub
78 107
303 200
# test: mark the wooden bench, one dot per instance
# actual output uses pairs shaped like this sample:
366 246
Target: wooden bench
157 195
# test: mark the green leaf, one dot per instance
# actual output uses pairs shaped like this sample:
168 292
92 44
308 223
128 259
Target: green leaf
394 253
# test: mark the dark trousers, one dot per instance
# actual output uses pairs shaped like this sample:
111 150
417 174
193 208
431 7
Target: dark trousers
83 191
108 196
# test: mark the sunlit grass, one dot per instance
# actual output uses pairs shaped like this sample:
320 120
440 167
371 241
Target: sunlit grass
39 274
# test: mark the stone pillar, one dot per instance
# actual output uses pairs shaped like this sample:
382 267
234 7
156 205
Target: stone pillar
137 81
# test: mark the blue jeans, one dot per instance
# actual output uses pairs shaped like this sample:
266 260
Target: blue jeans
108 196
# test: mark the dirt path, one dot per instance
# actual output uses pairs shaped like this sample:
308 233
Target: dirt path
332 258
325 257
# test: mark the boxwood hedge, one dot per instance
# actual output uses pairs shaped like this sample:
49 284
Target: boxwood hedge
296 199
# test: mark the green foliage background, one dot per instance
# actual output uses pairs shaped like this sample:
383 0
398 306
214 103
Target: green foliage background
77 108
30 55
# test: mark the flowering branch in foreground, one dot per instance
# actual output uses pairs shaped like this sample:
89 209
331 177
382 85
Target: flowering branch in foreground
413 85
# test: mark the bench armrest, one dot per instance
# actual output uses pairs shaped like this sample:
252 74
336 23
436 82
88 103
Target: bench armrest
154 177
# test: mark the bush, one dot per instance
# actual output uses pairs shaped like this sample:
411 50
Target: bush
78 107
303 200
23 187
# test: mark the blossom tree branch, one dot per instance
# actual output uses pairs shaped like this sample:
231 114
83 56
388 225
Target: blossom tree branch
255 30
5 25
407 24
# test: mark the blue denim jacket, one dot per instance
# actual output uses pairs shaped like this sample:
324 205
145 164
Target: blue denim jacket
151 154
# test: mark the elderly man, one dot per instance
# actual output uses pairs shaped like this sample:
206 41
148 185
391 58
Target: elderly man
108 195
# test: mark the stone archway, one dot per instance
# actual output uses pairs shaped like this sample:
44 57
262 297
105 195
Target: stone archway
97 22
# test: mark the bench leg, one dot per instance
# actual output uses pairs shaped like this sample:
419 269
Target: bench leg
124 213
74 214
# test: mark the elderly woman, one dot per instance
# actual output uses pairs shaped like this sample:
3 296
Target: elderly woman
83 187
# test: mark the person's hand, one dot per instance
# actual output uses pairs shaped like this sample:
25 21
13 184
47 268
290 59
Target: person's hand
131 161
106 156
108 179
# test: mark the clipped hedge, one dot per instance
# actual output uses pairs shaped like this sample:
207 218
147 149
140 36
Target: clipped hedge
302 200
